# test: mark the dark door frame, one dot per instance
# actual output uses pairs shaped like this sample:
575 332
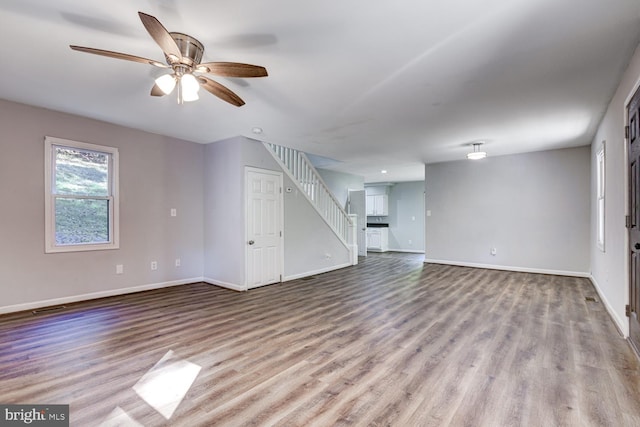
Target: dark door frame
632 155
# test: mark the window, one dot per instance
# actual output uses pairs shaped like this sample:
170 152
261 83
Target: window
600 164
81 196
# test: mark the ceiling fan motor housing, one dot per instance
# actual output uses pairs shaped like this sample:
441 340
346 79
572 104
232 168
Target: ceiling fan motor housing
190 48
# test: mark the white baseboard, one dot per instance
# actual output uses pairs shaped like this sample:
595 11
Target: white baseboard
511 268
237 287
94 295
621 324
408 251
223 284
312 273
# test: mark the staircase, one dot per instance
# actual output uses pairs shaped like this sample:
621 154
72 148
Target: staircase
298 167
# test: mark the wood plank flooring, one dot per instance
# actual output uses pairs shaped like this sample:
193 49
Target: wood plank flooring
389 342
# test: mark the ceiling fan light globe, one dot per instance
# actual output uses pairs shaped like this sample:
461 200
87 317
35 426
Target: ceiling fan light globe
189 97
189 85
166 83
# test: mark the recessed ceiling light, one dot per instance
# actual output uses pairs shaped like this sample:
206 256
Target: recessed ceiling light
257 130
383 171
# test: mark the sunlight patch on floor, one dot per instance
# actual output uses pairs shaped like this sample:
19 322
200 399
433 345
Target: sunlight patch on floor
164 386
118 417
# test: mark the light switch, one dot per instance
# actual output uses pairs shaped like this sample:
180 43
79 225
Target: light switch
428 213
174 212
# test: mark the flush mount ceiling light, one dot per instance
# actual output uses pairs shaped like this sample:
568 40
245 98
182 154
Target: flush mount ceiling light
476 154
183 54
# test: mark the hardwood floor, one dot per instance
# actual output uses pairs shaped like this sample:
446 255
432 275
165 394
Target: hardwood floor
391 341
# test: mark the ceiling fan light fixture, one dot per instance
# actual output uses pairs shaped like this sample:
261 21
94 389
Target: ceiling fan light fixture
476 154
189 97
183 55
190 87
166 83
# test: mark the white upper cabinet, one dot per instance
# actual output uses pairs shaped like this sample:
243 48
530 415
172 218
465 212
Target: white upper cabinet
377 205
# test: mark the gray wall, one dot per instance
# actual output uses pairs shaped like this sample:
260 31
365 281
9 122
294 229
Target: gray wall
406 217
533 208
224 246
310 246
609 269
340 183
156 174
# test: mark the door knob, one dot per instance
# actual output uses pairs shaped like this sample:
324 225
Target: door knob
637 246
251 242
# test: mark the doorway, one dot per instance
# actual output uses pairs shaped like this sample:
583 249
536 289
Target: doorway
264 220
357 206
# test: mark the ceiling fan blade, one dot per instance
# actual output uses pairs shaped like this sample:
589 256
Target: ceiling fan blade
161 36
156 91
118 55
232 69
221 91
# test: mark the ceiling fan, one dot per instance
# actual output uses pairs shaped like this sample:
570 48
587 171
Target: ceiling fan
183 54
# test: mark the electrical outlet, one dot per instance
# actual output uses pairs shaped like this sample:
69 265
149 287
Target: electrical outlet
119 268
174 212
410 242
154 265
494 251
178 262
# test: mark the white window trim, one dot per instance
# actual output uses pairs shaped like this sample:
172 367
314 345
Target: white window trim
600 197
114 205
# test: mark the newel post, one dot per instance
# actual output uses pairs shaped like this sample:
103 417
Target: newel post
353 238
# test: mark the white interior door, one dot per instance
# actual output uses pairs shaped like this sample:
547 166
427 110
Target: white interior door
264 227
357 205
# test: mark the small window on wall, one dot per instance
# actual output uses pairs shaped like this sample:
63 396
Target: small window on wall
81 196
600 170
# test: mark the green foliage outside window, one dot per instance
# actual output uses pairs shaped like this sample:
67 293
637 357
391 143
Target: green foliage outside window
81 186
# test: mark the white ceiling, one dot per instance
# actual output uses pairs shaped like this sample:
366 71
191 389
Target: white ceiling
372 84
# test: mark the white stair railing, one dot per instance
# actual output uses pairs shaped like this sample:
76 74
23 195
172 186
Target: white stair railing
300 170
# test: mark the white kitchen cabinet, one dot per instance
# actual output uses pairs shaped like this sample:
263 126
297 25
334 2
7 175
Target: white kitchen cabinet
377 205
370 205
378 239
